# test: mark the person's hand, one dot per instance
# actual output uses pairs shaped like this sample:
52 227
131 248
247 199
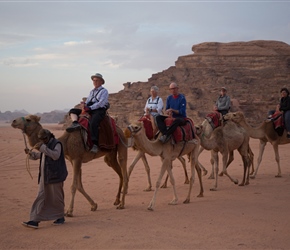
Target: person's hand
215 108
169 112
38 145
86 109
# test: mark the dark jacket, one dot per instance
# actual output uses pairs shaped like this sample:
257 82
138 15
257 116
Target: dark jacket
54 170
285 103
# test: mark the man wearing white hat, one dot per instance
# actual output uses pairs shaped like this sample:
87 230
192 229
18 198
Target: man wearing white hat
96 105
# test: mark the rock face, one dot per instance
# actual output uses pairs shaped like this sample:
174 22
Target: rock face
253 73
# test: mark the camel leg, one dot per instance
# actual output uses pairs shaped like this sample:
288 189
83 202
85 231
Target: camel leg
200 165
261 152
141 155
164 185
277 158
122 152
111 161
182 160
194 166
212 162
216 167
172 181
251 159
230 160
225 160
246 171
77 185
165 164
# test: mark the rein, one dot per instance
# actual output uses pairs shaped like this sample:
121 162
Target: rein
26 148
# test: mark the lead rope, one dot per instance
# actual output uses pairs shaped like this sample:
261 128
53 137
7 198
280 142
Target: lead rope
27 156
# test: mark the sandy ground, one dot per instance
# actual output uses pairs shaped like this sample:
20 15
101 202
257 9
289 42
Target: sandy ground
251 217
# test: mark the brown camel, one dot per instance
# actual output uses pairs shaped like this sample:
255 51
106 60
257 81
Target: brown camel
266 133
141 155
75 152
225 140
207 131
168 152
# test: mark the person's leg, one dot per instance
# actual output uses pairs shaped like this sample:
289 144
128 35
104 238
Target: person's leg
74 115
97 116
287 122
177 122
160 120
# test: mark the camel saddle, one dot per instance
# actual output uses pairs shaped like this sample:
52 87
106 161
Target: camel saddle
278 122
182 133
147 126
108 136
214 119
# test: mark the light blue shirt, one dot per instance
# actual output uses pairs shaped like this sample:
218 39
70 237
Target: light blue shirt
99 97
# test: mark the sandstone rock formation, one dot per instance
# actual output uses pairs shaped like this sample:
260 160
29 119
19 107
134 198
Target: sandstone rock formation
253 72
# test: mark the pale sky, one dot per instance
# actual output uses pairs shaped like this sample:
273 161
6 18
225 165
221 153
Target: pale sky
49 49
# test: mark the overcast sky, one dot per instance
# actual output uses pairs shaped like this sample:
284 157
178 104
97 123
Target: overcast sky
49 49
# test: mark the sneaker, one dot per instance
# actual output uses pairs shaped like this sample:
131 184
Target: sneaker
32 224
73 127
95 149
59 221
164 138
288 136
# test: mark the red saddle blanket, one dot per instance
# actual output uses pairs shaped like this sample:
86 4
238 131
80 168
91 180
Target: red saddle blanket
108 136
278 122
182 133
214 119
147 126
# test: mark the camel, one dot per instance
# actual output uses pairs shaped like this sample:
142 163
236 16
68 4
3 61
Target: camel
75 152
225 140
141 155
207 131
265 132
168 152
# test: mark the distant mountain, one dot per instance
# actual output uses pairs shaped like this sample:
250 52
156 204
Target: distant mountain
56 116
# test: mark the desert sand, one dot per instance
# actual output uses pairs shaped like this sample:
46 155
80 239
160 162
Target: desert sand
256 216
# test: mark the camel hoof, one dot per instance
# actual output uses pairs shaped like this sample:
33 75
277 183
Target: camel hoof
278 176
247 183
148 189
253 177
117 202
186 182
236 182
150 208
163 186
204 173
186 201
211 177
213 189
242 184
173 202
200 195
94 207
67 214
120 207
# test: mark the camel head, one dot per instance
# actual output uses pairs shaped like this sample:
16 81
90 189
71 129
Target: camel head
236 117
27 124
199 130
132 129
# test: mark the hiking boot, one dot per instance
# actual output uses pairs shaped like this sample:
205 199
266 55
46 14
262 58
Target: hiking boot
31 223
164 138
59 221
73 127
95 149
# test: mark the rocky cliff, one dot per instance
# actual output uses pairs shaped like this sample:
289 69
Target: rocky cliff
253 72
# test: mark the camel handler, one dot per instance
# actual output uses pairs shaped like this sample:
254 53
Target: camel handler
96 105
175 107
49 203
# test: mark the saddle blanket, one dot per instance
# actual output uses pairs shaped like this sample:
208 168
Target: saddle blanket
278 122
182 133
108 136
214 119
147 126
